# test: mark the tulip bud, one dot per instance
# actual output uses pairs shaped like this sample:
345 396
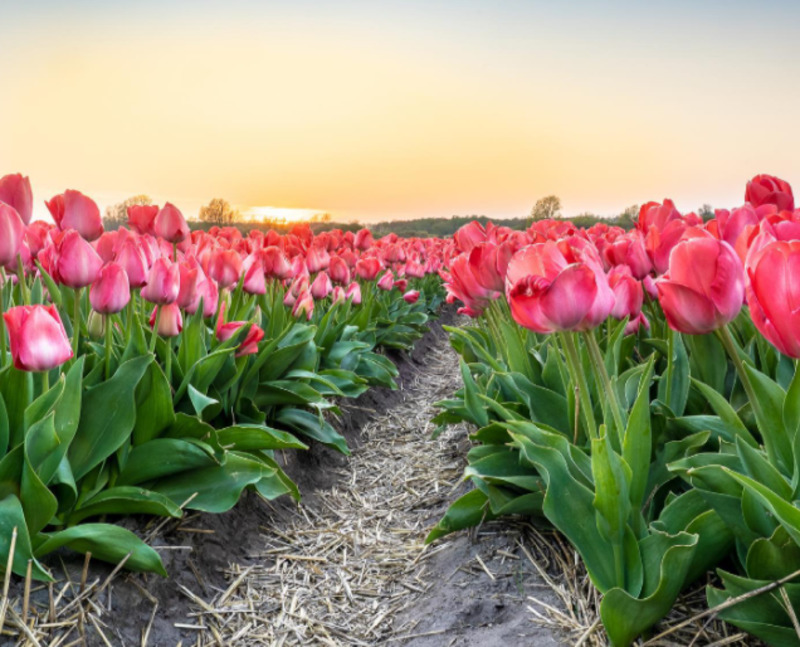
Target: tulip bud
141 218
12 231
73 210
170 321
354 293
15 191
111 291
412 296
170 224
386 282
163 283
225 267
96 325
37 337
77 264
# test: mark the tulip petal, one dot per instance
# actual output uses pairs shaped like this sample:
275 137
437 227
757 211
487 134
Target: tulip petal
687 311
570 297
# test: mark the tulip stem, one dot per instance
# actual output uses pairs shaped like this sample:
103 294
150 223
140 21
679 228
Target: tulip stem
670 362
76 322
109 342
23 287
168 363
2 341
45 381
156 325
129 319
576 368
728 342
611 393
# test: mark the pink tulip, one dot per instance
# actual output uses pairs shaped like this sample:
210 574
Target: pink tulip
552 287
629 250
254 280
188 297
141 218
768 189
15 191
368 268
338 294
628 293
401 284
111 291
170 320
303 305
354 293
772 294
73 210
170 224
208 291
386 282
704 287
470 235
225 267
132 259
338 270
163 282
37 337
412 296
77 264
12 232
489 263
461 283
363 240
249 345
276 264
321 287
317 259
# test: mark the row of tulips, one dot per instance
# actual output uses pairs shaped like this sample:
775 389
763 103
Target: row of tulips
640 390
154 369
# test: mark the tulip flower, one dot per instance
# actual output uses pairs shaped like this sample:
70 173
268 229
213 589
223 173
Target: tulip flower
461 283
470 235
401 284
386 282
363 239
111 291
73 210
772 294
704 287
489 263
132 259
317 259
368 268
77 264
768 189
553 287
169 319
321 287
37 336
275 263
12 232
628 293
225 331
225 267
141 218
170 224
163 282
338 271
412 296
354 293
15 191
338 295
254 280
629 250
303 305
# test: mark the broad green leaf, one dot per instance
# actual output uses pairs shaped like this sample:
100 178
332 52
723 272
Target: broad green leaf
257 437
125 500
769 416
154 412
467 511
162 457
637 443
12 516
314 426
108 416
106 542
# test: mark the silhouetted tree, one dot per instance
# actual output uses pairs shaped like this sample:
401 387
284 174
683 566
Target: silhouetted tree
545 208
219 212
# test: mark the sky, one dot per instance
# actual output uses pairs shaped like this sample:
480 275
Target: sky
401 108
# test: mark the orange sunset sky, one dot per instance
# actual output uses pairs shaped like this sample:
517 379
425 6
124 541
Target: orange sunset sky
379 110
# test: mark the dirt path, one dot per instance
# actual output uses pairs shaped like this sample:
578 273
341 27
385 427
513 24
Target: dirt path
349 566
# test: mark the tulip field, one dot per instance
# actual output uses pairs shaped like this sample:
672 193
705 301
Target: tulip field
636 390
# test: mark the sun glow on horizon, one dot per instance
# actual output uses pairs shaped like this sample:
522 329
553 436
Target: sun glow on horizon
280 214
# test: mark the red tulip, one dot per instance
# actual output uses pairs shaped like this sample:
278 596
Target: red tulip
470 235
208 291
552 287
412 296
170 320
15 191
37 336
77 264
225 267
401 284
73 210
170 224
12 232
489 263
141 218
768 189
461 284
254 280
111 291
163 282
704 287
317 259
629 250
773 294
